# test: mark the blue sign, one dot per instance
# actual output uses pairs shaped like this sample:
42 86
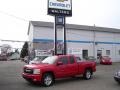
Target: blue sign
60 20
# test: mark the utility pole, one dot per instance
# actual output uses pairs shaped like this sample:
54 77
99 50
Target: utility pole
94 42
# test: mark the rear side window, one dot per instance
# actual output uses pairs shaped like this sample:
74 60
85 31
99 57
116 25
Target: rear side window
72 60
64 60
78 59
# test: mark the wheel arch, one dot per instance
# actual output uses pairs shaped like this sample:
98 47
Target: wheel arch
88 68
49 72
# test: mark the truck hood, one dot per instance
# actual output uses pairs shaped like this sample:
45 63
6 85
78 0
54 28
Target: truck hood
37 65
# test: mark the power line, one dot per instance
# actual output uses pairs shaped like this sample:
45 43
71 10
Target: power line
12 40
11 15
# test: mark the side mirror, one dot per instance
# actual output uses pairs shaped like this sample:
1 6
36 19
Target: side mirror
59 63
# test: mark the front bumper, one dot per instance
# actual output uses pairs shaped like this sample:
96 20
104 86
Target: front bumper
117 78
106 63
32 77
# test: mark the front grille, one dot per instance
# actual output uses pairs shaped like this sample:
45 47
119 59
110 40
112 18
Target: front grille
28 70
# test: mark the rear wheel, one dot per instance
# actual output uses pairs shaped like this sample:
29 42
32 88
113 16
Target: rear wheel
87 75
47 80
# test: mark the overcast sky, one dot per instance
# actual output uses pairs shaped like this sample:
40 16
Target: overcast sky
16 14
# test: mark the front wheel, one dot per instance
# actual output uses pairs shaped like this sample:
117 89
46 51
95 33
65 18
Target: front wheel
87 75
47 80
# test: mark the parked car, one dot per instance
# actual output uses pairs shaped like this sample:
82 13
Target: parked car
105 60
3 58
92 58
14 56
117 76
37 60
59 66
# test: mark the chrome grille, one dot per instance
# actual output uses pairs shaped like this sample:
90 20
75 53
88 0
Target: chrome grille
28 70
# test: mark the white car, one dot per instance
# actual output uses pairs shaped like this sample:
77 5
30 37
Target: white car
37 60
117 76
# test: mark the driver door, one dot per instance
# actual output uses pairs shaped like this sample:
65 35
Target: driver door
61 70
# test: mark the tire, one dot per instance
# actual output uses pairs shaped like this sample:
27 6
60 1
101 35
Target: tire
47 80
87 75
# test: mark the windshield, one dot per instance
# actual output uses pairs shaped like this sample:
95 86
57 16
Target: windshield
78 59
105 57
39 58
35 59
50 60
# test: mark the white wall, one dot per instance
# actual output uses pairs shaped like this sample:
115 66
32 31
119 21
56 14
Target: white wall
104 36
77 36
30 36
31 33
43 33
114 48
80 35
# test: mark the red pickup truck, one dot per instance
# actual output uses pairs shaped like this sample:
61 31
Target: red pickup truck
55 67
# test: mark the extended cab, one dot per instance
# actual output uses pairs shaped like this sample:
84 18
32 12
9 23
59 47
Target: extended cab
55 67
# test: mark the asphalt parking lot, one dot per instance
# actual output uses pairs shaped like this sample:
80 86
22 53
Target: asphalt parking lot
10 79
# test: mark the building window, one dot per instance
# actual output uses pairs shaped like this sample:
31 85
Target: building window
118 52
85 53
107 52
99 54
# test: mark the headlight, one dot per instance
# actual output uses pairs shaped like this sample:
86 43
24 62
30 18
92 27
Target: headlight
36 71
103 60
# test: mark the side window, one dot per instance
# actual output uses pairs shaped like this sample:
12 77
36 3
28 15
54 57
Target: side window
107 52
64 60
72 60
78 59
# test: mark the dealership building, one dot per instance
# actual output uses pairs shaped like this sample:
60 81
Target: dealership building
80 39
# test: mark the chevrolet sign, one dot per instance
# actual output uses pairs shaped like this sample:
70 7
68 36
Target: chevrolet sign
62 0
60 7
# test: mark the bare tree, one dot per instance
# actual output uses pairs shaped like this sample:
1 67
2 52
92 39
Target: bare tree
5 49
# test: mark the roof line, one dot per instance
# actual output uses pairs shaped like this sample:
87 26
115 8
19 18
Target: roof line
73 26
